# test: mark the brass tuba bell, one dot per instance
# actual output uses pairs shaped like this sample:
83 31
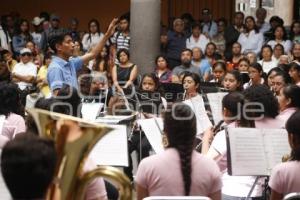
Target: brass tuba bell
74 139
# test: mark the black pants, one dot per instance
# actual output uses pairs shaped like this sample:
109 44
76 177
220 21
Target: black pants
134 145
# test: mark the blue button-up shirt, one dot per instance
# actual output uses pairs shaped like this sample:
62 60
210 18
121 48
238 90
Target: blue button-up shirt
61 72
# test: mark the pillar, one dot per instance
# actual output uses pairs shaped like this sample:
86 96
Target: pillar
144 33
285 10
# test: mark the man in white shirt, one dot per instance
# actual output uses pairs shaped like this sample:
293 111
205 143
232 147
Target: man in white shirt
24 72
210 28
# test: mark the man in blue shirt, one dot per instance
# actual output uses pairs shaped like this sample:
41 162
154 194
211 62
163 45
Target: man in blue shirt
62 70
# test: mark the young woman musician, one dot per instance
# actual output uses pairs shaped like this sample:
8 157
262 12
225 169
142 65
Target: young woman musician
285 177
179 170
219 71
233 81
237 187
191 85
289 101
149 83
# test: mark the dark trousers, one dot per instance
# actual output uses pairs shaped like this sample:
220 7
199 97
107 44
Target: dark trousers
134 145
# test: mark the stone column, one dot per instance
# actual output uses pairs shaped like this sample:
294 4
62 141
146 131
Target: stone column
144 33
285 10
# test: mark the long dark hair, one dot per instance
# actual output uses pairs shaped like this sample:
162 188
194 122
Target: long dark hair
18 31
292 34
293 127
105 59
180 128
154 78
284 37
292 92
10 99
98 28
256 29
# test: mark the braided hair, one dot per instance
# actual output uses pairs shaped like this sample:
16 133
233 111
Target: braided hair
180 128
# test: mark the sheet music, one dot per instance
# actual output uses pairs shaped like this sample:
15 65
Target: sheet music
2 119
153 133
246 151
215 101
277 145
112 149
113 119
256 151
90 111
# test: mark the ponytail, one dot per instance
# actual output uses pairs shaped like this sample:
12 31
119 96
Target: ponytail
180 128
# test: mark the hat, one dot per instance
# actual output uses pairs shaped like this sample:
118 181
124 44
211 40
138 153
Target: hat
25 50
54 17
205 11
37 21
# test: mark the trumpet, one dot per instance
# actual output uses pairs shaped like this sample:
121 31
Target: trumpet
73 148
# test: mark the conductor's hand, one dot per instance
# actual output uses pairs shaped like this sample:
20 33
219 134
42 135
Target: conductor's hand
112 27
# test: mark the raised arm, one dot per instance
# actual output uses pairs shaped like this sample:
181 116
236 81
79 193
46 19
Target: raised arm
98 48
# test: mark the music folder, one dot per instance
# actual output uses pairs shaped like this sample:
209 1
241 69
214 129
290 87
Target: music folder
255 151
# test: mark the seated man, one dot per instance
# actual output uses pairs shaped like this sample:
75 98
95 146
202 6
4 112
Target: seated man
27 165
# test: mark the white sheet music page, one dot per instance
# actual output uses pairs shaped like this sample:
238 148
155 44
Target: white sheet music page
2 119
215 101
247 152
90 111
112 149
277 145
153 133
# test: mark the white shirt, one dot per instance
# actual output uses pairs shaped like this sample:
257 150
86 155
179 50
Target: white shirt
251 42
201 43
37 38
287 44
87 42
3 39
268 65
197 105
28 69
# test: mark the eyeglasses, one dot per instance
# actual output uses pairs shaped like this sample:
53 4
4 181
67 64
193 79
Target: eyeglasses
26 54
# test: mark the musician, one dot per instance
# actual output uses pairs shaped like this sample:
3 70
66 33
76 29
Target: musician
96 188
232 81
191 85
149 83
256 76
289 101
179 170
28 165
285 177
219 71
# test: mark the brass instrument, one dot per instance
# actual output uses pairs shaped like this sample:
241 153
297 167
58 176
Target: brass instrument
73 146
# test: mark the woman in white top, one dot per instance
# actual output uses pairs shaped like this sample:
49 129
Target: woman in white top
191 85
266 61
255 72
251 39
93 36
280 37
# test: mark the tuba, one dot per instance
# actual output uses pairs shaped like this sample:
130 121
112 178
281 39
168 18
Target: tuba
74 139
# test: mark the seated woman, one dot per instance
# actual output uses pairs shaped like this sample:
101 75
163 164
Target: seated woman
219 71
191 84
255 72
11 112
280 80
289 101
266 61
162 71
285 177
149 83
232 81
294 73
179 170
125 73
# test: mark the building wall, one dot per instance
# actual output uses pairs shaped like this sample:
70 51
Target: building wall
104 10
